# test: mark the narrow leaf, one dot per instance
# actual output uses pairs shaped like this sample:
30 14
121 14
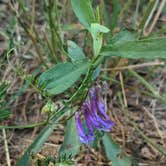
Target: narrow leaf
75 52
122 37
71 143
62 76
123 161
40 139
97 31
84 12
4 113
114 152
4 105
146 48
112 149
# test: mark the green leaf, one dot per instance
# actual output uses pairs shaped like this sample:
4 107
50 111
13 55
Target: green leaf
122 37
96 72
97 31
4 113
105 13
123 161
112 149
3 89
84 12
145 48
75 52
4 105
40 139
115 13
62 76
114 152
71 143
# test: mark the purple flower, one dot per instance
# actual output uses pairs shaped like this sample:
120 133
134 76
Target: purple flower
84 138
95 116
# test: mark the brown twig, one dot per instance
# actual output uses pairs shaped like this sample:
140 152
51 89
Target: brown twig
155 18
148 64
32 16
123 90
6 148
155 124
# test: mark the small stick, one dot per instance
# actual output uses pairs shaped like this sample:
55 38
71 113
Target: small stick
123 90
153 144
6 148
32 16
155 18
148 64
155 123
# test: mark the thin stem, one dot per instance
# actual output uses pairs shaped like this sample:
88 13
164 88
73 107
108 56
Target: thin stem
6 148
156 17
52 30
23 75
151 14
125 8
27 31
136 14
147 13
79 93
148 86
58 30
32 16
145 83
24 126
147 64
82 86
48 43
57 15
33 39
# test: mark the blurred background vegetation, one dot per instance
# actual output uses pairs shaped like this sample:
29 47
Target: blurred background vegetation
33 37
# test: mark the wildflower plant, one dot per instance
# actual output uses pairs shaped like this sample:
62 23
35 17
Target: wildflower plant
94 112
86 106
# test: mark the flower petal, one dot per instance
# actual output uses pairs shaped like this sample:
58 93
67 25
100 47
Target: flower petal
84 138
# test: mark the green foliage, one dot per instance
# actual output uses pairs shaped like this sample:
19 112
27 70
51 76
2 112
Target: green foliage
39 160
84 12
121 37
75 52
116 11
114 152
124 161
71 143
97 31
129 47
48 108
4 108
62 76
40 139
64 160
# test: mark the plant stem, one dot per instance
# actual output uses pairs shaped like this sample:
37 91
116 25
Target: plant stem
147 14
33 39
52 30
125 8
6 148
24 126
